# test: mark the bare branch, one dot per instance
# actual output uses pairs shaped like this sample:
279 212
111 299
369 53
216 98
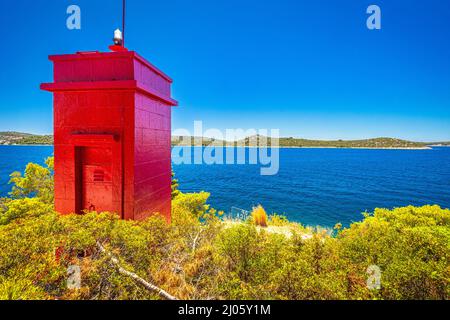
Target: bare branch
194 243
135 277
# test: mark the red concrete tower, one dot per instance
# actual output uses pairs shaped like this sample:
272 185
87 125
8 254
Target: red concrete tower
112 128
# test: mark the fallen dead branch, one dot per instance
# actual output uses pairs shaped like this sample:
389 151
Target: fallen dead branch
135 277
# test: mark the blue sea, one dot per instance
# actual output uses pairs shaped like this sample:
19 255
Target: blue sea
313 186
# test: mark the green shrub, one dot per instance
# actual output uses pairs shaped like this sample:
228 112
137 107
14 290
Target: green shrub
410 245
278 220
37 181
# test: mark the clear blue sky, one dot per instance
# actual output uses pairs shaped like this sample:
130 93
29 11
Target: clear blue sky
309 68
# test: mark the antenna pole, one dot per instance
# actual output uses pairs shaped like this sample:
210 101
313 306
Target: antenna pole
124 8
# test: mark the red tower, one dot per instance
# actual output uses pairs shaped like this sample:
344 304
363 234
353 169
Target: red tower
112 129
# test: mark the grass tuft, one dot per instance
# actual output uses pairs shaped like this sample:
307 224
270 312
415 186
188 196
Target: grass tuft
259 216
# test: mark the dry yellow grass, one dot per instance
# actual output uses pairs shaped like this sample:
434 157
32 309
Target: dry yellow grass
259 217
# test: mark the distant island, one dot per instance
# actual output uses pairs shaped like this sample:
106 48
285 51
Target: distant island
376 143
19 138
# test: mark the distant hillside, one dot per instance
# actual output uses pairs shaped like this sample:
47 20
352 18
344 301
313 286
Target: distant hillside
377 143
191 141
367 143
19 138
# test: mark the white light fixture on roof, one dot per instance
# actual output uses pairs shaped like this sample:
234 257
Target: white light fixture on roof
118 39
